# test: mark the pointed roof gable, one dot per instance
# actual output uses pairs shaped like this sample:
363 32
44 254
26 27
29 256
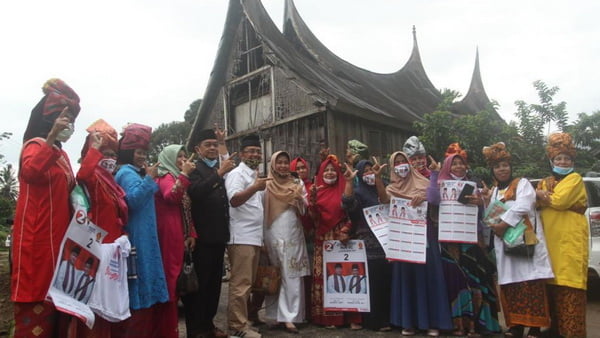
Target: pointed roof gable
476 99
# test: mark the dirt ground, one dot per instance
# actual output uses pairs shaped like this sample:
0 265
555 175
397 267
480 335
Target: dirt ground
6 309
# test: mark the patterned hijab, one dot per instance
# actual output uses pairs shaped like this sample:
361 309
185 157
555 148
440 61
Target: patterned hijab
329 197
57 96
414 184
283 192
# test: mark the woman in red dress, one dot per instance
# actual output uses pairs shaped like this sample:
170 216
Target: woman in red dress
43 211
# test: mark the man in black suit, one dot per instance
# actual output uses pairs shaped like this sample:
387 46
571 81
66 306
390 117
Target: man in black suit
210 212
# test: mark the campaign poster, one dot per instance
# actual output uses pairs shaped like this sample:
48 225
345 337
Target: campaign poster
457 221
377 219
76 269
407 232
345 277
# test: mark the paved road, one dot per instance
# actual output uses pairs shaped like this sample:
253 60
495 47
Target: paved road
593 322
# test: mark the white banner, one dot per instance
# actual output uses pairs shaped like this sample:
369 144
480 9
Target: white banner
457 221
377 219
345 278
408 231
77 265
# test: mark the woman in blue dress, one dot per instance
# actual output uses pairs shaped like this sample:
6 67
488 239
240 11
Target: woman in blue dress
419 296
137 180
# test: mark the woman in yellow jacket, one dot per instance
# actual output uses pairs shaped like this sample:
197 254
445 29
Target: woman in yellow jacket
563 201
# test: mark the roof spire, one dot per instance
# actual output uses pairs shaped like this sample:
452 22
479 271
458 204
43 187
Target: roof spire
414 32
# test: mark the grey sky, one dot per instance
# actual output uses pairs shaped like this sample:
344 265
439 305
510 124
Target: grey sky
146 61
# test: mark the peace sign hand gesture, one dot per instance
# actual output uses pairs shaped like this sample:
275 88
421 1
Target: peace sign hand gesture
349 174
152 170
435 165
377 168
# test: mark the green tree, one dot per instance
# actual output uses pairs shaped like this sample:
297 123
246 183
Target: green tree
533 116
175 132
586 135
8 192
3 136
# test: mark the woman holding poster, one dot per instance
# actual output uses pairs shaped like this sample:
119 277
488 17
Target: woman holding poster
419 296
467 269
522 279
380 273
331 223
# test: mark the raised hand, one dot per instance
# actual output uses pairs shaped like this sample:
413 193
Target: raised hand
152 170
188 166
61 123
220 133
486 192
350 173
434 165
324 152
377 168
260 183
96 140
227 165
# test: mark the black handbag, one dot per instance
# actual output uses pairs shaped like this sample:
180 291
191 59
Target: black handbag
187 282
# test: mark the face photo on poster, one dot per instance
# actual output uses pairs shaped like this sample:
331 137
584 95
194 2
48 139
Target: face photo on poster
76 273
346 277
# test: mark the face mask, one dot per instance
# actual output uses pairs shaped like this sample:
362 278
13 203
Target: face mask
457 178
65 134
210 163
108 164
402 169
369 179
562 170
329 181
252 163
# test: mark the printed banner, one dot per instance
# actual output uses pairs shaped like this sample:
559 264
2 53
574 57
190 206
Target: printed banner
457 221
377 219
408 231
345 278
77 265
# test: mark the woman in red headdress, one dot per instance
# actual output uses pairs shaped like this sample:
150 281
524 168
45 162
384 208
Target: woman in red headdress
331 223
108 208
43 211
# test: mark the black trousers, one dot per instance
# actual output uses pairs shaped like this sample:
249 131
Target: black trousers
201 307
380 286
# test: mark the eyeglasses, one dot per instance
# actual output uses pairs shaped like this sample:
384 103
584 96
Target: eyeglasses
253 152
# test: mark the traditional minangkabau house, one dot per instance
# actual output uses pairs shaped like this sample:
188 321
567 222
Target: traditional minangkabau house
296 93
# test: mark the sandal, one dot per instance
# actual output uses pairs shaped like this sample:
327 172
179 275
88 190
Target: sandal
534 332
514 331
355 327
473 334
408 332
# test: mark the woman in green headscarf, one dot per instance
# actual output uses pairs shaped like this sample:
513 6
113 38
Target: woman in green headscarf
174 224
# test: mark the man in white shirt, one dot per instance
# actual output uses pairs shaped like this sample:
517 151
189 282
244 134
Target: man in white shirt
356 282
245 191
337 282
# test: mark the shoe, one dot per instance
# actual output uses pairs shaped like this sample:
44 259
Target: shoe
244 334
433 332
331 327
408 332
385 329
218 333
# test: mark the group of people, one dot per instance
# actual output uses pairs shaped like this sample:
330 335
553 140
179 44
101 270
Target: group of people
203 203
